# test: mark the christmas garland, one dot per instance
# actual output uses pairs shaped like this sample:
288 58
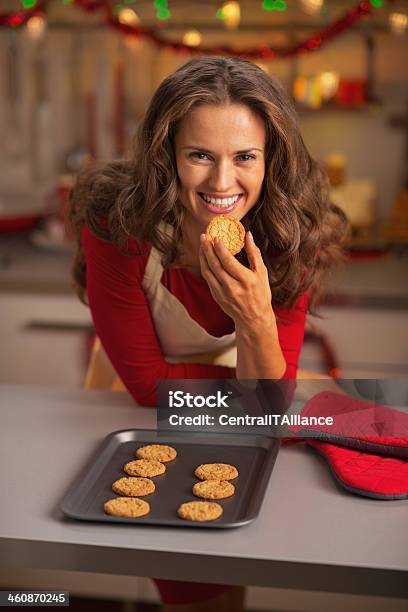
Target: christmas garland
362 9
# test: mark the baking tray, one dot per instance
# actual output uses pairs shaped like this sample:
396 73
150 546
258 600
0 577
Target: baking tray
253 455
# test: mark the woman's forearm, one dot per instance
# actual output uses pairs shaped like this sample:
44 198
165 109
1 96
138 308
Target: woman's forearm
259 354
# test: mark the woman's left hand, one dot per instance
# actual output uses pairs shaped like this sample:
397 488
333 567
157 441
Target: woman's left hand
243 294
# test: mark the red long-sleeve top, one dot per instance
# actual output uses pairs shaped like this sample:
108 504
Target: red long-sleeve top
123 321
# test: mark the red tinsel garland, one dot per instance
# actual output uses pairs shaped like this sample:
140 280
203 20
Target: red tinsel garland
362 9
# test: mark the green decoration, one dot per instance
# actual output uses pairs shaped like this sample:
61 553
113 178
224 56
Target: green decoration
268 5
163 14
274 5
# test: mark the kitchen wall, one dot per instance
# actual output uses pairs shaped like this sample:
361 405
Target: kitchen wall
72 75
373 150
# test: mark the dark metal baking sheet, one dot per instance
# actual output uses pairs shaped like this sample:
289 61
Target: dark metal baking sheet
253 455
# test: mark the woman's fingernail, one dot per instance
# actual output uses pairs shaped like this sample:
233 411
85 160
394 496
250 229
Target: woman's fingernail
203 238
250 236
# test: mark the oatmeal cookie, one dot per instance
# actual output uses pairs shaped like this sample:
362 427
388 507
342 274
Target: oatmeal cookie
216 471
213 489
160 452
144 467
229 230
133 487
200 511
126 506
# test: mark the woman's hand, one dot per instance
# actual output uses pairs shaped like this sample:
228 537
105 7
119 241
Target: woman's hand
243 294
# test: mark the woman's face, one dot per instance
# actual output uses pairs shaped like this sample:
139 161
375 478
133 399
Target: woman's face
220 162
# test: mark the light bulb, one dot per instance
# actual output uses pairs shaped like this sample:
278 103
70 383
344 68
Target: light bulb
192 38
127 16
313 7
36 27
231 14
398 22
329 83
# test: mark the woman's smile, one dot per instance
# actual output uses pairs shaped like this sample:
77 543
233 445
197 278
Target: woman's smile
219 204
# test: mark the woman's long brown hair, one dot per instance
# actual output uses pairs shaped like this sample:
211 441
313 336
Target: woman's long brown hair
299 231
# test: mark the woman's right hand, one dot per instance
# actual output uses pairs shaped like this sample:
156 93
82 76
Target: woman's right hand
243 294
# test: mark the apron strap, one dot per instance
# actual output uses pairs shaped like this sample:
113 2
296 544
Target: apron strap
154 268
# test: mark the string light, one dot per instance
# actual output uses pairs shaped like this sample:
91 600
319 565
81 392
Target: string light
230 14
329 32
376 3
36 27
398 22
312 7
329 84
28 4
192 38
128 16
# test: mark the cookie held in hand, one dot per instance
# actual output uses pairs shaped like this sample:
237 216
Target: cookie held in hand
229 230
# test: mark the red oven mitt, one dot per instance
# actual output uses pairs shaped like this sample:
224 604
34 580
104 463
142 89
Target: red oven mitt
365 474
357 424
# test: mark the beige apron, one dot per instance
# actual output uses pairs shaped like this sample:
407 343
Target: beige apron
181 338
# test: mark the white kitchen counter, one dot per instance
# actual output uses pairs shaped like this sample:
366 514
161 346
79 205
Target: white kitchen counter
309 535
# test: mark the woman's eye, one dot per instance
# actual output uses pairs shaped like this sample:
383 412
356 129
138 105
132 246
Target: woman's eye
204 156
246 157
199 155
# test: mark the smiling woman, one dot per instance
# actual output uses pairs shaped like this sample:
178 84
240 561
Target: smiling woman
218 174
297 229
219 137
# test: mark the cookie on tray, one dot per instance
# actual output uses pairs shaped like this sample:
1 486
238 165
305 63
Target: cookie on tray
145 467
216 471
200 511
127 506
213 489
133 487
229 230
160 452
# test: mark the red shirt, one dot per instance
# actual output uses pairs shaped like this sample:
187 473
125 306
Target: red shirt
123 321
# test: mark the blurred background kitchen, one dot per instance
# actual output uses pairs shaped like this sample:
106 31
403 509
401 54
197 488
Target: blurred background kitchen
75 79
